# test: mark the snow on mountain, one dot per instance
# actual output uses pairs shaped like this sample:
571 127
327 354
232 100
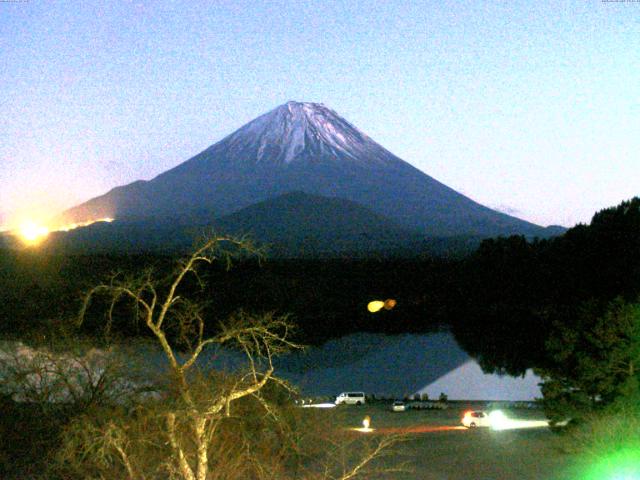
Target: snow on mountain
299 132
299 128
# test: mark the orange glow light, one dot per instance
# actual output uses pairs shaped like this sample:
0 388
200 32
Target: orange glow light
377 305
32 233
72 226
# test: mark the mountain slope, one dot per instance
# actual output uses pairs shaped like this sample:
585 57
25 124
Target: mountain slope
309 148
291 225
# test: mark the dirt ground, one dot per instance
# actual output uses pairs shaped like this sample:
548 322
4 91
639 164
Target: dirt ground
439 448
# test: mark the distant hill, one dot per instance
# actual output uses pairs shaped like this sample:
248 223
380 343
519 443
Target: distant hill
301 223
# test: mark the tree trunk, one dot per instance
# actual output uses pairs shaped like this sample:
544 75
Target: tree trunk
183 465
203 454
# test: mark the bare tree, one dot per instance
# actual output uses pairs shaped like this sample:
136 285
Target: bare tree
260 338
353 458
208 423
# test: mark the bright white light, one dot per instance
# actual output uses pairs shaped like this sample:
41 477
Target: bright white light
510 424
366 422
498 420
363 430
319 405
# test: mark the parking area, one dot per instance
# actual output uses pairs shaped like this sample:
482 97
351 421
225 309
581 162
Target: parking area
438 447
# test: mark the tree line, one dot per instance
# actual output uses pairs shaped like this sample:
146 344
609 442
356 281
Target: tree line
568 307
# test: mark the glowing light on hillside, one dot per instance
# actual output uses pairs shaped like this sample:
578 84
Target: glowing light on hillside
377 305
31 233
72 226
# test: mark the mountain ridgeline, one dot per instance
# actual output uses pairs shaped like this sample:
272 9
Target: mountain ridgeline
294 156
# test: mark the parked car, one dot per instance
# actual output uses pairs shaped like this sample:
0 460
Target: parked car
398 406
481 418
350 398
476 418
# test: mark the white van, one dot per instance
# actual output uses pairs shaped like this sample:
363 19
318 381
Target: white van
350 398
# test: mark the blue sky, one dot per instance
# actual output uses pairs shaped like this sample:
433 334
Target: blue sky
529 107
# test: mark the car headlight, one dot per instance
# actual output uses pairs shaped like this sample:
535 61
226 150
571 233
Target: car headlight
498 420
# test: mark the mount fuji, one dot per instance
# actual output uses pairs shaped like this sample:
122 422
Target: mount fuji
308 148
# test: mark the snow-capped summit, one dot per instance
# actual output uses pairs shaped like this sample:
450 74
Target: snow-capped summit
309 148
299 131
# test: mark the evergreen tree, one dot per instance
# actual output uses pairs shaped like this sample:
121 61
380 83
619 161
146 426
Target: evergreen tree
594 361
